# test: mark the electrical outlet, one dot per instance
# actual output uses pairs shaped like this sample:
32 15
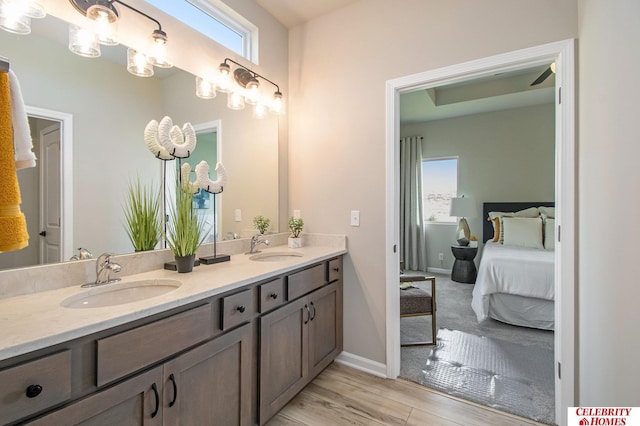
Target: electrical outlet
355 217
296 214
441 256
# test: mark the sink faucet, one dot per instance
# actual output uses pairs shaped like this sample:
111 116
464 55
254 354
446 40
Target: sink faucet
104 266
256 240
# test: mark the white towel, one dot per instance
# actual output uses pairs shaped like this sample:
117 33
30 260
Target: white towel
22 144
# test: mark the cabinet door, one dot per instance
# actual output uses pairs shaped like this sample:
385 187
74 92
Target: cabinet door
134 402
211 384
283 356
325 327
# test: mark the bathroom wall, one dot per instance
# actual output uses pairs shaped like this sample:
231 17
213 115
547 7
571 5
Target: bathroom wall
339 65
502 156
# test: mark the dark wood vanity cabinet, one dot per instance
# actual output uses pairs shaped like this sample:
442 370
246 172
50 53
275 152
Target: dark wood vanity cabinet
232 359
299 340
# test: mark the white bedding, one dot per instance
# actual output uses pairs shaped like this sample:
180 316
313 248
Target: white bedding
512 270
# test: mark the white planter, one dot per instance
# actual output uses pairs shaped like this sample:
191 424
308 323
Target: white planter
295 242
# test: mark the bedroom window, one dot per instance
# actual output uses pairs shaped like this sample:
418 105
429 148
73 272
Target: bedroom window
225 27
439 185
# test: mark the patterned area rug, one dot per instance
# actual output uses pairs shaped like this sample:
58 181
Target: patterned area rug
507 376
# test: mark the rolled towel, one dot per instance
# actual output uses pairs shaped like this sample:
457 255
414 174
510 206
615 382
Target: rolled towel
23 146
13 226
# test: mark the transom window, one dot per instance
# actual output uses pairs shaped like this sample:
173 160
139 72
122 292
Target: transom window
233 32
439 185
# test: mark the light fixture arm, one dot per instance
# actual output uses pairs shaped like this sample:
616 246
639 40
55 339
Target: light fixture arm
255 74
139 12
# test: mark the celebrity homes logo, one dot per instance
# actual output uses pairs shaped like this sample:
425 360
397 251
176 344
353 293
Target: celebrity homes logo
603 416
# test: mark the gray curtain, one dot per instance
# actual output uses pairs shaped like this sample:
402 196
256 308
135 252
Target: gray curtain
413 249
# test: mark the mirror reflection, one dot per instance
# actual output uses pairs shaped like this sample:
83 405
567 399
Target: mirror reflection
100 112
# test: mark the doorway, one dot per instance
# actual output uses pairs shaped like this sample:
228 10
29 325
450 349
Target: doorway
562 53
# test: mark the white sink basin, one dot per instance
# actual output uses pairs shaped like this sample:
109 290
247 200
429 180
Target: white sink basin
275 256
120 293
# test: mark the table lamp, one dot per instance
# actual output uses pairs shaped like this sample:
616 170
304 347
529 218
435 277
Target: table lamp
463 207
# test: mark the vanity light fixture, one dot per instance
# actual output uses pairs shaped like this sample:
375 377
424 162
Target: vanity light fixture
83 42
15 15
245 89
205 88
104 17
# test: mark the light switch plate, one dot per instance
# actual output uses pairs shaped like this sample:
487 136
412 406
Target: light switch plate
238 215
355 217
296 214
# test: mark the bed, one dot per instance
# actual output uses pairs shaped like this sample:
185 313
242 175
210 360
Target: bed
515 282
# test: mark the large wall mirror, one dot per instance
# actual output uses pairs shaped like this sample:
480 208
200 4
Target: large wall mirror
109 109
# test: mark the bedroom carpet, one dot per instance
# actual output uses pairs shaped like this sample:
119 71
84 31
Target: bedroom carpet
454 313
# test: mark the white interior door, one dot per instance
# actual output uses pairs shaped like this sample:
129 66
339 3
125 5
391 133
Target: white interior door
50 195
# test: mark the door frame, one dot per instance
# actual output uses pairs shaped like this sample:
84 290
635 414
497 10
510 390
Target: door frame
66 173
563 53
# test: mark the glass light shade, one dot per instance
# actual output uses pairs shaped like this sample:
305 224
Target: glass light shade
158 56
235 101
16 24
138 64
277 106
252 93
105 24
259 110
224 79
83 42
205 89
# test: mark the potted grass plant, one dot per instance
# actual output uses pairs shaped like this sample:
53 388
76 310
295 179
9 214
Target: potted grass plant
142 215
295 227
185 232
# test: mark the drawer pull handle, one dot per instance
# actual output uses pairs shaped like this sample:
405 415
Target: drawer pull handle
241 309
154 388
336 269
308 315
274 296
175 390
314 312
33 391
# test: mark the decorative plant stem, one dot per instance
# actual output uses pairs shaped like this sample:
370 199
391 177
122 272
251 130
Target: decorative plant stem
186 231
142 215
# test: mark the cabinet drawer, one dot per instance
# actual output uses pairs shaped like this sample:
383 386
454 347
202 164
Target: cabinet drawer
271 295
132 350
335 269
236 309
34 386
305 281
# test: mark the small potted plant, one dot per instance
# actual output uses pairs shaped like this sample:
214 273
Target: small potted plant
261 223
185 232
295 227
142 216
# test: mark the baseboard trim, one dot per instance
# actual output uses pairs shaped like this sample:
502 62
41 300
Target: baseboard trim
363 364
439 271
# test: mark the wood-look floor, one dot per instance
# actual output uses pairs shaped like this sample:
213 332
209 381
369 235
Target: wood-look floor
344 396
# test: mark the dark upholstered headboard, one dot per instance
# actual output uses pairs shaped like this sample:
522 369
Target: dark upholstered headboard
487 227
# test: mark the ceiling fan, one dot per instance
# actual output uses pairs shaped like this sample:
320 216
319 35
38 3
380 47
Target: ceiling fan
545 74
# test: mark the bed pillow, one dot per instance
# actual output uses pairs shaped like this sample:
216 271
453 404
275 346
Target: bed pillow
523 232
530 212
547 211
550 234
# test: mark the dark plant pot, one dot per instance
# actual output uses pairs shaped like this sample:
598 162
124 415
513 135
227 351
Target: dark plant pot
185 263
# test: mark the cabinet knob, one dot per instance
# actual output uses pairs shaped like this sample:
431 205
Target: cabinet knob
33 391
241 308
274 296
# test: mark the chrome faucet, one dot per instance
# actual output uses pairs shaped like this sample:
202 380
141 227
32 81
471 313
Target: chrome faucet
104 266
256 240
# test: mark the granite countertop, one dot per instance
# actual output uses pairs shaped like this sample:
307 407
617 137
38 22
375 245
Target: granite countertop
35 321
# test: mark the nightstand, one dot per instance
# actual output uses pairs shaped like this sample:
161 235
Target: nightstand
464 269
